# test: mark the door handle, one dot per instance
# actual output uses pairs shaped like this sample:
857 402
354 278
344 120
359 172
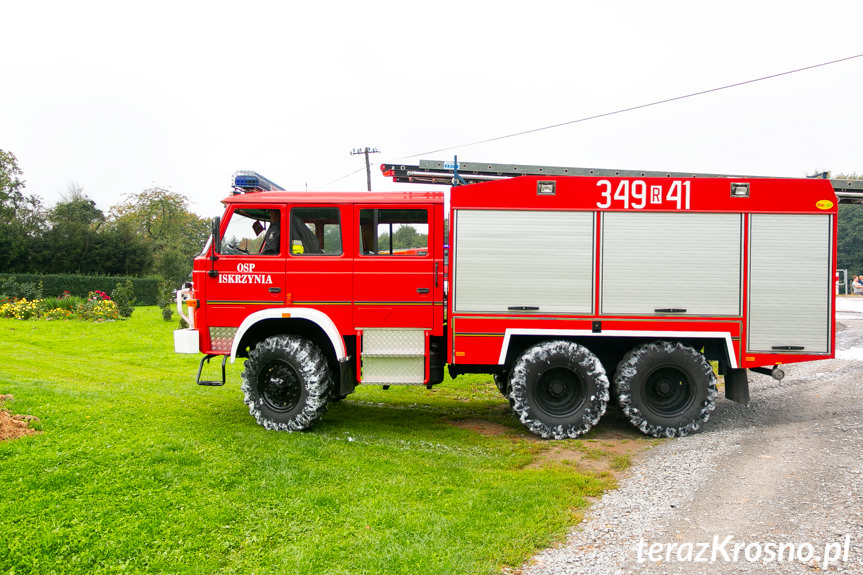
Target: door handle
422 290
275 290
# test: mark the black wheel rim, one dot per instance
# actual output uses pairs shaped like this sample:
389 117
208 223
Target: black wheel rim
559 391
279 386
668 391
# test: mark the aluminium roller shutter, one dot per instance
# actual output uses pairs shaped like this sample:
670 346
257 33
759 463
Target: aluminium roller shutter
508 259
789 283
661 261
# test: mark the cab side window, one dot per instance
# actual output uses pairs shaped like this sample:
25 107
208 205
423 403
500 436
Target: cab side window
393 232
253 232
316 231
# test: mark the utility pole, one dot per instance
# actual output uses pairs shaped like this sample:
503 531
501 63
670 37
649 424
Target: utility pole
366 151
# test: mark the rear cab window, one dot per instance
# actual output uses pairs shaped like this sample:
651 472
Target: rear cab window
394 232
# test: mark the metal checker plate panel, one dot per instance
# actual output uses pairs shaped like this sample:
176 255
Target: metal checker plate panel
394 341
393 370
222 338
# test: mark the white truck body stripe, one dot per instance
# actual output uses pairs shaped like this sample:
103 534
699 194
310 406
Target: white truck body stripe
723 335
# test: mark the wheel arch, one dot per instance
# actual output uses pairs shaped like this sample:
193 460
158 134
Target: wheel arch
312 324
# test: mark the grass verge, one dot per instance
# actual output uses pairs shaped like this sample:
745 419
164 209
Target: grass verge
140 470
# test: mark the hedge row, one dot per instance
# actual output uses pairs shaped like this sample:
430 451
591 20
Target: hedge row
145 289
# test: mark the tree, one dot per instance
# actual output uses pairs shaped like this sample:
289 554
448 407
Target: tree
849 249
405 237
122 252
163 220
10 184
21 217
76 224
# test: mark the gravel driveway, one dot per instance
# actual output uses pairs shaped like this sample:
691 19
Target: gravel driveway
785 471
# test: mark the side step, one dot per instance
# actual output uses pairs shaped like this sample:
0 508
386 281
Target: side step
211 383
393 357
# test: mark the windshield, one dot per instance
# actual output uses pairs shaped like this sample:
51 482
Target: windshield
254 231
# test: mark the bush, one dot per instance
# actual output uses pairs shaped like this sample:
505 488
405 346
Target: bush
166 300
145 290
98 306
124 296
21 309
10 287
62 303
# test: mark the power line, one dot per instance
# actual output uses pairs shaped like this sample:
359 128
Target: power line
339 179
633 108
616 112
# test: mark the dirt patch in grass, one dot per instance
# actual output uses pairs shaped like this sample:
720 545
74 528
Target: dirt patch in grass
14 426
610 448
605 456
485 427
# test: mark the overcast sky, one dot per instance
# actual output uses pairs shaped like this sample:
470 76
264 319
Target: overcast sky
117 97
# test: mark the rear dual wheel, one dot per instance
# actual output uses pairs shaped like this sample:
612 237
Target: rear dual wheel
558 389
665 389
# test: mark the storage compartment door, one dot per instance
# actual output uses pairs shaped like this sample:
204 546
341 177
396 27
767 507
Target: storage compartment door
516 261
789 283
657 263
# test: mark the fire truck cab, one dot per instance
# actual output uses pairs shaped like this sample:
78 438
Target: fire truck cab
303 284
550 284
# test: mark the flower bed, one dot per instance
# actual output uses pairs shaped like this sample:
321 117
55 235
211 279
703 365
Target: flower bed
98 306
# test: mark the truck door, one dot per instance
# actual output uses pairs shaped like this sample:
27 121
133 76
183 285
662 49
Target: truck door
249 274
319 265
394 270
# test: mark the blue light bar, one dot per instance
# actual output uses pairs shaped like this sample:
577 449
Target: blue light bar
249 181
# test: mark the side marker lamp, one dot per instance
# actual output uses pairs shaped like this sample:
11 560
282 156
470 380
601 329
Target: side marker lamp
739 190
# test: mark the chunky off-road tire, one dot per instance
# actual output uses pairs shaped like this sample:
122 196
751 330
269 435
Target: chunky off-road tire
558 389
665 389
501 381
286 383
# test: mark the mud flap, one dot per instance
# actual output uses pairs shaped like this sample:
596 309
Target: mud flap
347 379
737 386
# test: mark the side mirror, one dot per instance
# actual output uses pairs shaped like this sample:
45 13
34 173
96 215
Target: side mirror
217 246
217 239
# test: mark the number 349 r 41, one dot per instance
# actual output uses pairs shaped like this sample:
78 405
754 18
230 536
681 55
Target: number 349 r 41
637 194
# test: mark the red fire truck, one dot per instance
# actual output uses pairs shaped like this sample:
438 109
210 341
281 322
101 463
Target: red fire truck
570 287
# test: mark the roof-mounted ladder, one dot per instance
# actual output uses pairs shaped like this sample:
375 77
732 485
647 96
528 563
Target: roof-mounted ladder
449 173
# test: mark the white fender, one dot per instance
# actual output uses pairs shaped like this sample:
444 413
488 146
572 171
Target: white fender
315 316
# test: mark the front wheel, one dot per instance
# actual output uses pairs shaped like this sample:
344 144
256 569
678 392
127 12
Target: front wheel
286 383
558 389
665 389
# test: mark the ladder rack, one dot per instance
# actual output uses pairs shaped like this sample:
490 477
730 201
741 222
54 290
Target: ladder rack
445 173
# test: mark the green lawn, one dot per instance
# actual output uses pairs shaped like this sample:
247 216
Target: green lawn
140 470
